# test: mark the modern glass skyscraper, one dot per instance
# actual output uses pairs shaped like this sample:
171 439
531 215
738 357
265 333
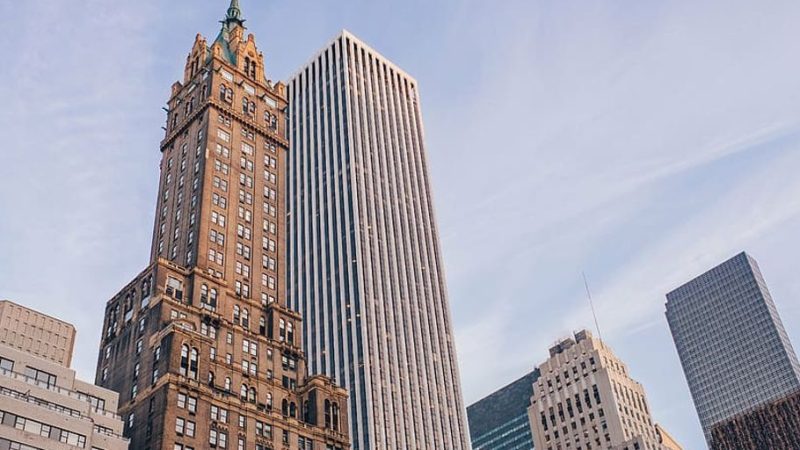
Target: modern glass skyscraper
365 265
731 342
500 420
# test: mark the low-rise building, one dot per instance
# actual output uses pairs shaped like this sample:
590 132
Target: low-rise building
43 406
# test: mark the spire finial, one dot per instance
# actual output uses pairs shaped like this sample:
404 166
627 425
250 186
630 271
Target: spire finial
234 15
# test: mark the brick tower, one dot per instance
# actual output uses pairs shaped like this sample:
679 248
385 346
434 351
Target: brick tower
201 345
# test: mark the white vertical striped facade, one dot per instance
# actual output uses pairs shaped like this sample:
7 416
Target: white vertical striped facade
365 264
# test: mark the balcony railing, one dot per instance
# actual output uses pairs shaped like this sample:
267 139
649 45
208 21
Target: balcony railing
65 392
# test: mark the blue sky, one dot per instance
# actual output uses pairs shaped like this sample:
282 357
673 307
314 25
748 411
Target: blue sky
641 142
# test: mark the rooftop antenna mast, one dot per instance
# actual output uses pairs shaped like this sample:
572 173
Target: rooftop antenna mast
591 304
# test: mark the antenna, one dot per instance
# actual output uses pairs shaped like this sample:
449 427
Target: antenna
591 304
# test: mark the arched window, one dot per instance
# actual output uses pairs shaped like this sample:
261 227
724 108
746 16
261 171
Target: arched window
285 407
203 294
245 105
290 333
213 299
236 314
292 410
327 413
227 384
253 395
193 363
269 400
146 287
243 392
282 326
335 412
306 412
223 92
262 326
211 379
184 368
246 318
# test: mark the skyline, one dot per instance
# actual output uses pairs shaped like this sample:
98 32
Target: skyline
557 206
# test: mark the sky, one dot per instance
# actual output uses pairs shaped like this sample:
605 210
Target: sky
640 142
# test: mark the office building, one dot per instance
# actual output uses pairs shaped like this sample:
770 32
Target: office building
586 399
36 333
42 404
365 261
500 420
731 342
666 440
772 426
201 345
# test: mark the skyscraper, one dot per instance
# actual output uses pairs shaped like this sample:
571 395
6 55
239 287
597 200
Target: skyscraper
201 345
500 420
365 264
731 342
585 398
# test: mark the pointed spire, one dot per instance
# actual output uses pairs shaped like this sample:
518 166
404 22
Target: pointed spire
234 15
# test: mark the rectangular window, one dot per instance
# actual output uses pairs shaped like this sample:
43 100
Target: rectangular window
247 149
7 365
40 376
223 135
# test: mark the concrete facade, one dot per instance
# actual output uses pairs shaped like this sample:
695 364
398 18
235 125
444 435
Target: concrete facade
365 261
36 333
734 350
666 440
43 406
585 399
201 345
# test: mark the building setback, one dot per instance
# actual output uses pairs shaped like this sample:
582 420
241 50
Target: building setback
365 263
500 420
42 404
201 345
585 399
731 342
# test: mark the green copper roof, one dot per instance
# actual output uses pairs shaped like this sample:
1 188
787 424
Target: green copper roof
232 20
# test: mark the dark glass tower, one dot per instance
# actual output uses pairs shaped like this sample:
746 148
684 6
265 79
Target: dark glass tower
500 421
731 342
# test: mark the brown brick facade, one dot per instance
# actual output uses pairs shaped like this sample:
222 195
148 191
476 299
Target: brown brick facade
201 345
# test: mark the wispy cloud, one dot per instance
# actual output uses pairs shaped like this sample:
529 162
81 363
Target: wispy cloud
642 142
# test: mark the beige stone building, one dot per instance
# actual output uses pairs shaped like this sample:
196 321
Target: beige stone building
666 440
42 405
33 332
585 399
201 344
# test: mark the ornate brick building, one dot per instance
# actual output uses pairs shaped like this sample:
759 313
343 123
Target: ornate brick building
201 345
773 426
